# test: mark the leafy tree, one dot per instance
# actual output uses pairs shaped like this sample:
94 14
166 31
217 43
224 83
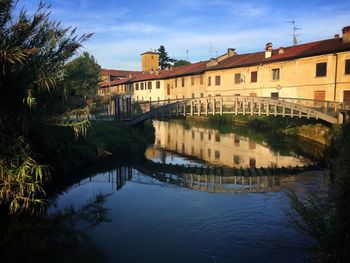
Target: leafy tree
181 63
164 60
33 51
82 75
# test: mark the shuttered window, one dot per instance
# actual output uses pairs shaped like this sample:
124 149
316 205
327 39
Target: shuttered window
321 69
347 66
209 81
253 76
217 80
237 78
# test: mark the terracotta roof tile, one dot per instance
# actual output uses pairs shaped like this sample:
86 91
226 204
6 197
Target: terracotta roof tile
327 46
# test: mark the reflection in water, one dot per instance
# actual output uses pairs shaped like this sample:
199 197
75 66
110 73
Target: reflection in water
209 145
54 237
202 182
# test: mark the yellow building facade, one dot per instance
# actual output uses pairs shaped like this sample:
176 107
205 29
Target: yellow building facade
312 71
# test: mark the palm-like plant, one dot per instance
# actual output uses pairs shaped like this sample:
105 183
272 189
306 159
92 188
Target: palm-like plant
33 51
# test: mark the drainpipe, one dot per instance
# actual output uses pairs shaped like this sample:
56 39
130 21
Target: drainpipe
335 77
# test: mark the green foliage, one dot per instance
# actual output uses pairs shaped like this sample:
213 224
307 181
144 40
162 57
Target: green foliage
327 220
33 51
164 60
181 62
82 75
319 218
21 177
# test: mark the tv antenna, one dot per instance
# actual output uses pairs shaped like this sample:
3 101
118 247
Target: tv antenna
295 29
186 54
212 51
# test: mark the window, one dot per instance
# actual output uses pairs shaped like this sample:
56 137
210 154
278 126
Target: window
175 83
202 136
149 85
347 66
192 95
237 78
192 80
252 162
252 145
201 79
209 81
158 85
217 80
253 76
236 159
142 86
321 69
192 134
217 137
183 82
137 86
276 74
217 155
202 95
209 153
236 139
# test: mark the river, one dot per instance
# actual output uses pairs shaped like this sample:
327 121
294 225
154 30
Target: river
166 208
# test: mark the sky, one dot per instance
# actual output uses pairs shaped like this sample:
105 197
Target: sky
192 29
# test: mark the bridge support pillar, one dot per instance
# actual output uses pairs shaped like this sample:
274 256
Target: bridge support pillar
236 106
221 106
199 105
214 106
206 107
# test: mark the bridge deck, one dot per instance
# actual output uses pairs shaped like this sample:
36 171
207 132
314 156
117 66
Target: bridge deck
237 105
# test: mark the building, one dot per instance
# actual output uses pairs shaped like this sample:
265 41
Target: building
317 71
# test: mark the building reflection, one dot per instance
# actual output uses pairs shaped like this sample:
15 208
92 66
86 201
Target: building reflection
231 150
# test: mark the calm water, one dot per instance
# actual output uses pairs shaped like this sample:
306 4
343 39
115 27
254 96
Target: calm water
146 214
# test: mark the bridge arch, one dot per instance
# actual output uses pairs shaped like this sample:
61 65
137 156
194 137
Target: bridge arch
237 105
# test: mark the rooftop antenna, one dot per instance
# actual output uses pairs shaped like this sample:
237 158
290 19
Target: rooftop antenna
295 29
211 50
186 54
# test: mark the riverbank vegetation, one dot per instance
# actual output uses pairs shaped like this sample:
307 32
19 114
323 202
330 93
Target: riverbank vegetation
325 216
41 89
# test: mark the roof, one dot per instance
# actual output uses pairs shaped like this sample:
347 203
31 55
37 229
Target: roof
150 52
317 48
119 73
328 46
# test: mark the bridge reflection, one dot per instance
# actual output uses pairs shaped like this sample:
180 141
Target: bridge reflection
215 182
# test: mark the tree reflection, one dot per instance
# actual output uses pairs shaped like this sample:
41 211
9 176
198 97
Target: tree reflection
54 237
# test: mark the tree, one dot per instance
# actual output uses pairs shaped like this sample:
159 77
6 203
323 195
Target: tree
164 60
33 51
181 63
82 75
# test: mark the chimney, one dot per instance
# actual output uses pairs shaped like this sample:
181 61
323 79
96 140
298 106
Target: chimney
231 51
268 50
336 36
346 34
281 50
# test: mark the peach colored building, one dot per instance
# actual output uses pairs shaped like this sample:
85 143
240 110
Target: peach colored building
317 70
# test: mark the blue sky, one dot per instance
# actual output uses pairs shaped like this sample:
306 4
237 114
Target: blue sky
124 29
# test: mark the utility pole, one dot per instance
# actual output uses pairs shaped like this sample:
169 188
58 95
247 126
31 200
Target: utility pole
295 29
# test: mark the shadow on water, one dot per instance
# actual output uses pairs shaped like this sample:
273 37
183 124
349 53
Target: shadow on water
54 237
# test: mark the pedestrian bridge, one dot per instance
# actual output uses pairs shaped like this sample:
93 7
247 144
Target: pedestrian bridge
241 105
